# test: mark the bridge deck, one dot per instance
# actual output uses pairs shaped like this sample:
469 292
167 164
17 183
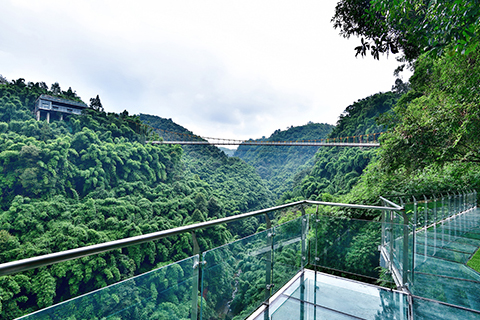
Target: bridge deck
273 143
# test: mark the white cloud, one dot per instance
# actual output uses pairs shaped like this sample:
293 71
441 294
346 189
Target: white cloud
233 69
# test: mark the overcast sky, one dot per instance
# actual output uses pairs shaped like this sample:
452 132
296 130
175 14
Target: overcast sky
224 68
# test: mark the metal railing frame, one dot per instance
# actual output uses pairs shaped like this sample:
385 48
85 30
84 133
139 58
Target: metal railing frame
57 257
53 258
457 203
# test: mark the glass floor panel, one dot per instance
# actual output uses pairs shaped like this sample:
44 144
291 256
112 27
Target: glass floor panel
431 310
449 290
445 268
446 254
447 241
336 298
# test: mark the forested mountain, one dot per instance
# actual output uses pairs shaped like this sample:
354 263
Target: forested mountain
238 185
281 166
331 170
432 141
91 179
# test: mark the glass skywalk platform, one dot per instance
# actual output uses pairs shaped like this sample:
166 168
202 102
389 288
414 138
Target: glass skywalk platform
326 297
266 276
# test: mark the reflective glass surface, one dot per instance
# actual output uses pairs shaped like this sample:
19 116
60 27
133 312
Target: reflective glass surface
164 293
329 297
287 255
340 243
234 277
440 262
431 310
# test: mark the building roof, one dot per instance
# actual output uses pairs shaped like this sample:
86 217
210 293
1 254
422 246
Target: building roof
77 104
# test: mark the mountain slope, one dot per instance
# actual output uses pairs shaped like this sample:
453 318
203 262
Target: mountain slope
337 169
91 179
280 166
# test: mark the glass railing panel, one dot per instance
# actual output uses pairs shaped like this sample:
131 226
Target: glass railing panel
410 212
351 246
432 211
287 244
420 217
234 277
162 293
398 241
433 238
411 253
432 310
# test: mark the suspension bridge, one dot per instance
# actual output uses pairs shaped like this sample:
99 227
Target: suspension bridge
309 143
368 140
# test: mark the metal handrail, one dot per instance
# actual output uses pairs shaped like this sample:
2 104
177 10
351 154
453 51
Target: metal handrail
392 203
57 257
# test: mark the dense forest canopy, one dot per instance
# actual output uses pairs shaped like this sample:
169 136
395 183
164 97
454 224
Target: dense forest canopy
91 179
336 170
281 166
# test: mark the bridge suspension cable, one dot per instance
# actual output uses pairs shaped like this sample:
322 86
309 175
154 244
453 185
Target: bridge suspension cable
367 140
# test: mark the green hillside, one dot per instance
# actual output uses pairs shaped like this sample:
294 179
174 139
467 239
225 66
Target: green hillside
91 179
337 169
281 166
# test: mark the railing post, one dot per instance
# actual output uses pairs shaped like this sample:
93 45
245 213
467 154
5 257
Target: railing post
195 277
443 217
269 259
425 212
456 200
414 235
315 267
405 249
268 266
391 236
304 261
304 237
448 204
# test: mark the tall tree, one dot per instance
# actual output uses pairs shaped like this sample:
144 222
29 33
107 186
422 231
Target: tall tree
96 104
55 89
3 80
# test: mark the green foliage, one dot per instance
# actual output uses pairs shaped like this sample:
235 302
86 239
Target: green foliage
281 166
474 261
90 179
410 27
432 141
348 245
337 170
438 121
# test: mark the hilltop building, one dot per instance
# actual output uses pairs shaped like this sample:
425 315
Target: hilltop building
52 106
